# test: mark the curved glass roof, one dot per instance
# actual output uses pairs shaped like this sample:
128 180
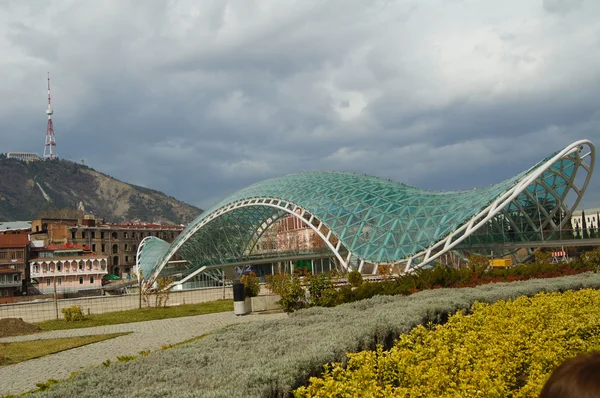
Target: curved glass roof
377 220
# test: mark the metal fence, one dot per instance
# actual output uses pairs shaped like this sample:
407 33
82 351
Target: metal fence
48 309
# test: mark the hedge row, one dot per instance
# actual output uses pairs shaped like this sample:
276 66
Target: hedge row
271 358
324 293
506 349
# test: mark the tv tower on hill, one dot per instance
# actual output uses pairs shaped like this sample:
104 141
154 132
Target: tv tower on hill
50 143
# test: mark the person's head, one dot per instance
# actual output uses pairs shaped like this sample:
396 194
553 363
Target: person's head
577 377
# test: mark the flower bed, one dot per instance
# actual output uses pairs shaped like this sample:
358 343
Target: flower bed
505 349
271 358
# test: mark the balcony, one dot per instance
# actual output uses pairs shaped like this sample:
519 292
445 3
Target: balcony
65 272
51 267
10 282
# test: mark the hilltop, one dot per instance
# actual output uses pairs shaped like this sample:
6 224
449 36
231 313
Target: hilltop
29 189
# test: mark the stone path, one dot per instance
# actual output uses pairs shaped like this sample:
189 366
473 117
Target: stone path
150 335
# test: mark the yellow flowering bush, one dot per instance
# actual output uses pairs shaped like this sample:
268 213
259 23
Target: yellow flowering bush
508 348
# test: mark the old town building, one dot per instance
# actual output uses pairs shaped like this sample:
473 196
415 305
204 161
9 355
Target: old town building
65 268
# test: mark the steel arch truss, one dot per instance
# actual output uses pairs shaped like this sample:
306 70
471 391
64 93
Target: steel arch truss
535 200
231 233
369 220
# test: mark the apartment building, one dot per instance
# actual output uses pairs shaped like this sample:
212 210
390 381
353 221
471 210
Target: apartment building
65 267
14 251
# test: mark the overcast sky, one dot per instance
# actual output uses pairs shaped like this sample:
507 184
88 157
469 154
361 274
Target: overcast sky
200 98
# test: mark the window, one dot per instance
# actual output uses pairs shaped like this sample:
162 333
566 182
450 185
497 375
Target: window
93 234
47 281
59 268
5 292
81 280
59 282
116 260
83 235
36 269
37 228
114 235
126 259
3 255
115 249
94 247
17 278
126 235
91 279
72 234
127 247
103 250
19 254
102 235
134 248
81 265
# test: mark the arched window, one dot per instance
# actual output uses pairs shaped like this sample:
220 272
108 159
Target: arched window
115 249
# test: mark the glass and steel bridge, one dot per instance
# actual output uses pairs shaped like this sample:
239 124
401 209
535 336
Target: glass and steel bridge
367 221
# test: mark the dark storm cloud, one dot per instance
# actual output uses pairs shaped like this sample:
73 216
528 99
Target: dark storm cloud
199 99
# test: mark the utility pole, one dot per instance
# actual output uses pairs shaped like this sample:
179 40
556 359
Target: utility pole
55 295
223 283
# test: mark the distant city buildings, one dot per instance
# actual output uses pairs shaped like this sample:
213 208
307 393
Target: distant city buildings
118 242
585 219
69 255
24 156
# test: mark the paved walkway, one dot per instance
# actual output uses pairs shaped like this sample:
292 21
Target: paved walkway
150 335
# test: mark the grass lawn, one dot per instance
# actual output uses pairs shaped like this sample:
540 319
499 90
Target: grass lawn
11 353
140 315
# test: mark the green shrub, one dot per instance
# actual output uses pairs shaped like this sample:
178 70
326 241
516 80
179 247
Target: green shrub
73 314
321 290
251 284
293 296
355 278
591 259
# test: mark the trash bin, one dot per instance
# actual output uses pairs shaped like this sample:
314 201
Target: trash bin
239 299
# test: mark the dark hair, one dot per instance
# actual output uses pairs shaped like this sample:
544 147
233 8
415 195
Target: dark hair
577 377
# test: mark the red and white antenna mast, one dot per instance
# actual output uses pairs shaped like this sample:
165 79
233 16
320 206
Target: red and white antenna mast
49 152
